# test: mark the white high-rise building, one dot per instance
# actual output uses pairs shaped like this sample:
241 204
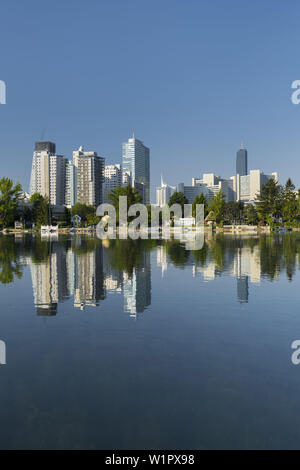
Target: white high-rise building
163 193
90 169
48 173
112 179
136 164
71 184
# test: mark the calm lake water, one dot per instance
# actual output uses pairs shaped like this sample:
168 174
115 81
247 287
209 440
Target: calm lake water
145 345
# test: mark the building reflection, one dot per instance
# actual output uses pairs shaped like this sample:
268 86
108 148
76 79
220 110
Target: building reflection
87 270
243 263
87 274
137 287
49 280
88 279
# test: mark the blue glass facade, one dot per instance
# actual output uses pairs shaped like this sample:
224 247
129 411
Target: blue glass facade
242 162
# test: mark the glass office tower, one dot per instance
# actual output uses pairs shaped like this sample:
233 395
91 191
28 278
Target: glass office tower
136 165
242 161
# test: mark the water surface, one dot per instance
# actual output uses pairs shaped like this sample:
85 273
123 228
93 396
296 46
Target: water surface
146 345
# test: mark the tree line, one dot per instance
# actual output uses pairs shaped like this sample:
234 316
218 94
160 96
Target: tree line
276 204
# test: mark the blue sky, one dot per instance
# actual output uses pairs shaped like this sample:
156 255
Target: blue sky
193 77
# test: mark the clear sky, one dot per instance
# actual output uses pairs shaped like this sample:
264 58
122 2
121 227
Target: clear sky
193 77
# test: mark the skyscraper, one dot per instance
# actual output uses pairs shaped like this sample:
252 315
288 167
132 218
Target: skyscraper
48 173
90 169
136 164
71 184
242 161
45 146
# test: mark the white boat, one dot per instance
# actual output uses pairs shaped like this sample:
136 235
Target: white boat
45 229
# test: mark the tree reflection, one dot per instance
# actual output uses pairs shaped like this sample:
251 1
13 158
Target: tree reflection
276 253
10 266
125 255
271 254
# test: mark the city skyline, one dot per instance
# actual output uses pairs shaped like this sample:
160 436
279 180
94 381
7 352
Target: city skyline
88 180
192 112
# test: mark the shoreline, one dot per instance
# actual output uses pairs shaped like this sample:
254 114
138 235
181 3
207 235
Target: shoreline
228 230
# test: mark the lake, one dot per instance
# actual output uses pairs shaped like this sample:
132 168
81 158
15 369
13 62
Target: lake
126 344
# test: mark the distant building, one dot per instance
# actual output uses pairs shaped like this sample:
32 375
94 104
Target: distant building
163 193
90 169
136 165
248 187
112 179
141 189
71 184
191 192
48 173
45 147
209 185
214 184
238 187
242 161
126 178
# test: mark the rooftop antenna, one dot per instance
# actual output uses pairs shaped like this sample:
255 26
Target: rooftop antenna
133 132
242 145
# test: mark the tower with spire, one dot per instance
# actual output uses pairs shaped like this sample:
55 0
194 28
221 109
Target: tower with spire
242 161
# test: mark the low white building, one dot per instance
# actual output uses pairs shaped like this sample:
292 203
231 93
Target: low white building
209 185
244 188
248 187
184 222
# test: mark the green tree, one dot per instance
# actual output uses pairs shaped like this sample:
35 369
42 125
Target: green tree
251 214
86 212
290 203
10 264
9 198
67 216
200 200
133 197
217 206
178 198
233 210
41 213
269 201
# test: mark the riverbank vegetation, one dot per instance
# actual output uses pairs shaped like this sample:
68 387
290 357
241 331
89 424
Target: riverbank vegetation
276 205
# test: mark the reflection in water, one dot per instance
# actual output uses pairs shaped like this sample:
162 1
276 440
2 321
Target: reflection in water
87 269
10 266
